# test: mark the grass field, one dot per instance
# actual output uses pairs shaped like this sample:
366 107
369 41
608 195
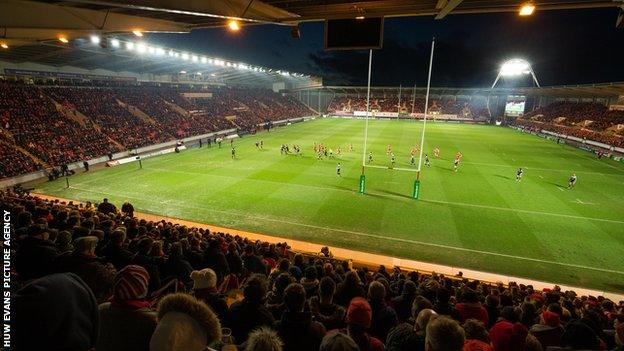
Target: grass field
478 218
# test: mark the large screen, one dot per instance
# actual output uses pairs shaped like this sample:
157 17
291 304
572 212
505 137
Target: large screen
352 34
514 106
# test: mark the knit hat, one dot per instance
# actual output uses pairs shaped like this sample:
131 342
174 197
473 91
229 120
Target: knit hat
476 345
204 279
184 323
507 336
56 312
338 342
551 319
131 283
359 313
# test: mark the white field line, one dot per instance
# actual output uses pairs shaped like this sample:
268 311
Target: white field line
540 169
389 168
369 235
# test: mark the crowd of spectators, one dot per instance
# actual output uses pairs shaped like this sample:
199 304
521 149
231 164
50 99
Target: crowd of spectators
95 120
35 124
573 113
14 162
473 107
88 276
102 108
583 133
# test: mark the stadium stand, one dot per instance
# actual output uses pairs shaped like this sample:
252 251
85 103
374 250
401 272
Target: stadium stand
78 256
582 120
64 124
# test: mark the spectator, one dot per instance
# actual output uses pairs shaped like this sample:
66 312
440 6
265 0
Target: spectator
296 327
264 339
349 288
106 207
384 317
408 336
444 334
184 323
359 317
470 307
310 281
252 263
127 322
403 303
338 342
323 307
205 289
215 259
549 330
477 338
115 253
250 313
127 209
55 312
36 254
508 336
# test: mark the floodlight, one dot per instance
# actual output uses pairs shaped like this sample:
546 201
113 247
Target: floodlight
171 53
63 39
130 46
4 45
204 60
115 43
160 51
194 58
514 68
151 50
183 72
527 9
141 48
138 33
233 25
185 56
199 73
95 39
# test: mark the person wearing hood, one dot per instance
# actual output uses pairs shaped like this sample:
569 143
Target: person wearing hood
184 324
205 289
296 327
127 321
310 282
56 313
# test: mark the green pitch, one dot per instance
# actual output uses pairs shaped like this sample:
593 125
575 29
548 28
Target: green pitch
478 218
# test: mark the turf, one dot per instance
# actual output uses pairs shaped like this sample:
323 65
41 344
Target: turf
478 218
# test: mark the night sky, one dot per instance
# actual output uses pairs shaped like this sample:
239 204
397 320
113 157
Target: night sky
564 47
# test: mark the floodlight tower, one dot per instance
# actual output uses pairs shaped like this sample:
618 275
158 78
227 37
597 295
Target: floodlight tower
514 68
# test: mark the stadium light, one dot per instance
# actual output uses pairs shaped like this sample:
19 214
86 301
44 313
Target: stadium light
129 46
204 60
95 39
63 39
137 33
185 56
141 48
182 72
233 25
171 53
514 68
527 9
195 58
115 43
4 45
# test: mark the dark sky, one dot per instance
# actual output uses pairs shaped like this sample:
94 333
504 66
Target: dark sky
564 47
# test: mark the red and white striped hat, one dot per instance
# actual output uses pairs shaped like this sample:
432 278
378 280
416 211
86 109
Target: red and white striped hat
131 283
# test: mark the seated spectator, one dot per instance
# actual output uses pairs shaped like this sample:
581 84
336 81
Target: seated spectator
250 313
114 252
83 254
406 336
338 342
296 327
330 314
264 339
470 307
508 336
351 287
444 334
275 297
215 259
384 316
579 336
310 282
56 312
127 322
477 338
619 336
403 303
252 262
184 323
176 266
359 317
36 254
106 207
205 289
549 329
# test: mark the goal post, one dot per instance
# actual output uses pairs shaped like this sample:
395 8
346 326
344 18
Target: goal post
362 186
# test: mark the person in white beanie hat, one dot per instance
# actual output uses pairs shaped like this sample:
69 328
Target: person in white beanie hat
205 289
184 324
